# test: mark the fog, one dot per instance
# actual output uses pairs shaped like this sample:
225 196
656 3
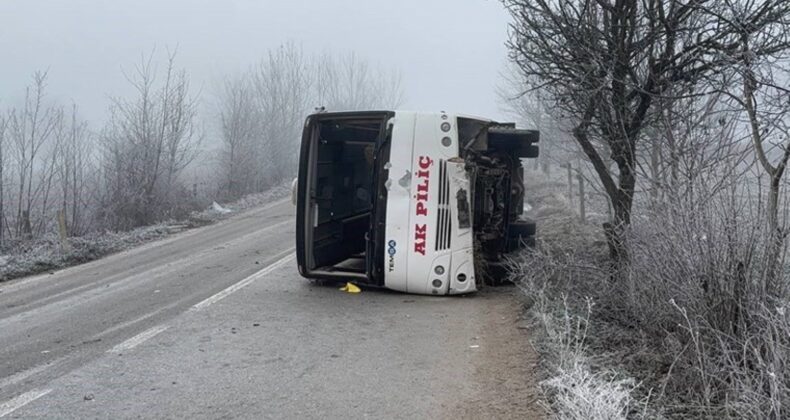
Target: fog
659 187
449 53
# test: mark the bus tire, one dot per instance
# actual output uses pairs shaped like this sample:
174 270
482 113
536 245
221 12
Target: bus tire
523 228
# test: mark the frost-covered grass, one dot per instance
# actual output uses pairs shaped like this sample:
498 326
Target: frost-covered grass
685 333
558 277
581 381
47 253
581 394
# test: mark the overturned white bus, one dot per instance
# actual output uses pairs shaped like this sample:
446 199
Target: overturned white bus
416 202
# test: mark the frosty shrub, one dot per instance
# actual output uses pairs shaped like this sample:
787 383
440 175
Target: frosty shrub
697 284
561 322
689 330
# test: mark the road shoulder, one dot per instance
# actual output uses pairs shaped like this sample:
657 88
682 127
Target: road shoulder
506 371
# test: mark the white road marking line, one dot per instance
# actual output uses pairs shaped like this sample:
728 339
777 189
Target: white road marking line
35 370
127 324
138 339
91 291
15 404
21 376
243 283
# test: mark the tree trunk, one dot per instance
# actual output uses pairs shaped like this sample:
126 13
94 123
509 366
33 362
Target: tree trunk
582 210
232 170
622 201
655 170
615 233
27 230
570 185
773 286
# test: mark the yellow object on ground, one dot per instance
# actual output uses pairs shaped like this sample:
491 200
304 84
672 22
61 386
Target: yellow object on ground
350 288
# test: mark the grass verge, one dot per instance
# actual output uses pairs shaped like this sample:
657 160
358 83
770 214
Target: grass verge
45 254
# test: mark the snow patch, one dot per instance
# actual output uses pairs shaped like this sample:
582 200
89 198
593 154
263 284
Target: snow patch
219 209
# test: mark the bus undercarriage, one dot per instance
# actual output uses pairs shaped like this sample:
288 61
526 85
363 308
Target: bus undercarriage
493 158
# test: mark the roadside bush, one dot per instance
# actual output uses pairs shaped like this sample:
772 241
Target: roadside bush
697 284
578 385
689 330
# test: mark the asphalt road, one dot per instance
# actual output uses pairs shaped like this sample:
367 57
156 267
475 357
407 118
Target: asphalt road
216 323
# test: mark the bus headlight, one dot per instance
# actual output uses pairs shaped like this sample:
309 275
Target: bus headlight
438 270
437 283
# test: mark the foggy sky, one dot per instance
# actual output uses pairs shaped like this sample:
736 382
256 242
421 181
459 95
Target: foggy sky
450 52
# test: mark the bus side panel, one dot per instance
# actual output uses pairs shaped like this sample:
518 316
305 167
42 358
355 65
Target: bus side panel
422 229
429 153
422 232
397 239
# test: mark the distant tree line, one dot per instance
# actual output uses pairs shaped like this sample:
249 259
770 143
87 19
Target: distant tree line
268 103
58 173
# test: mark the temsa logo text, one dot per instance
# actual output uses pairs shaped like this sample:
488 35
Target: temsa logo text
423 177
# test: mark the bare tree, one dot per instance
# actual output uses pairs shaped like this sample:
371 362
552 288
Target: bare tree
282 83
30 129
692 139
148 141
766 104
3 126
604 63
72 162
557 146
262 112
350 83
240 129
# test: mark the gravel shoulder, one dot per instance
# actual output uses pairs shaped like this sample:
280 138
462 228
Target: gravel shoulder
506 372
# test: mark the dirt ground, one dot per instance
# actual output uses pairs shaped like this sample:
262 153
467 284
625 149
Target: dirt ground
507 369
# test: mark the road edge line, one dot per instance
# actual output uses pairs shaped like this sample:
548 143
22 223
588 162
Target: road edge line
138 339
20 401
244 282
